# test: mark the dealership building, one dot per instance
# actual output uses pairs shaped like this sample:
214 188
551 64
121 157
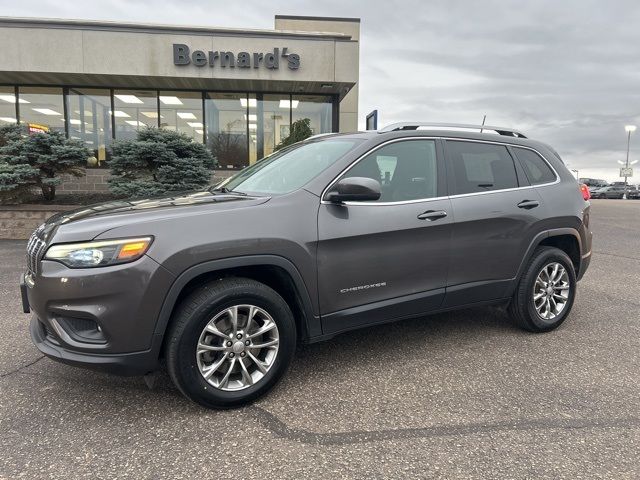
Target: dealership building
235 90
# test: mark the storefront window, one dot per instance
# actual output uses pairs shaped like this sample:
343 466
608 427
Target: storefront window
316 108
274 115
134 110
41 109
228 116
90 122
238 128
7 106
182 111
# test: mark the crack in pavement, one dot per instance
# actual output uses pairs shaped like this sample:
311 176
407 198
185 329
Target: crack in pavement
616 255
17 370
280 429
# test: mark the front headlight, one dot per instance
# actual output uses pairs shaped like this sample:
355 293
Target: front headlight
100 253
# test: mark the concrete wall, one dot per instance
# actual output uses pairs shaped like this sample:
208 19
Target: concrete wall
137 56
347 58
18 222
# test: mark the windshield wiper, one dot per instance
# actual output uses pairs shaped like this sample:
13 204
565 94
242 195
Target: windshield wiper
226 190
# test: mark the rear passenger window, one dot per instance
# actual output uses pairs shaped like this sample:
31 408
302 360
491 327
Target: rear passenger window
480 167
406 170
536 169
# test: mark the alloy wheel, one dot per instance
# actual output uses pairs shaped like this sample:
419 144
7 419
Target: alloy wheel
237 347
551 291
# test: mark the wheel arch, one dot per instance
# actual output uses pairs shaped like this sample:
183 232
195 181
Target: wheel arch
566 239
272 270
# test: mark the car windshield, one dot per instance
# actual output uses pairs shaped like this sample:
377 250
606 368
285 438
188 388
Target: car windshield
290 168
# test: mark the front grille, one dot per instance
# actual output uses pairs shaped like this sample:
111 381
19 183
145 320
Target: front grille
34 251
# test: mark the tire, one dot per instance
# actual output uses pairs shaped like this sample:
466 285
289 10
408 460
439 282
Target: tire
192 352
522 308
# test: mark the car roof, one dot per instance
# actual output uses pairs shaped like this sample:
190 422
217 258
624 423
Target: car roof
374 135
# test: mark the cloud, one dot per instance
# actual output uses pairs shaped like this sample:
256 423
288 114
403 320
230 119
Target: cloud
567 73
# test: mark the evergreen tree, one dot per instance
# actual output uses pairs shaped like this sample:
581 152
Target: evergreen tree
300 130
37 161
159 162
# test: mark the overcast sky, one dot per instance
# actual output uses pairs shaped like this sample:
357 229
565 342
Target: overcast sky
564 72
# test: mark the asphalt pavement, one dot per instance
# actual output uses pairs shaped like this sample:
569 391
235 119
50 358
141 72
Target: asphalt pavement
456 395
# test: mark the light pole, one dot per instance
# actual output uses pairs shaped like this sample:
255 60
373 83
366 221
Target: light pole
628 129
576 172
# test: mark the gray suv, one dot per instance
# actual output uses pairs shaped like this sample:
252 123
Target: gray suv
335 233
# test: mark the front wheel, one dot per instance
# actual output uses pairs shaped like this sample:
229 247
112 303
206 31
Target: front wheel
545 293
230 342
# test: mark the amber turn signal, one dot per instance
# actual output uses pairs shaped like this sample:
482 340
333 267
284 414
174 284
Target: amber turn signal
133 249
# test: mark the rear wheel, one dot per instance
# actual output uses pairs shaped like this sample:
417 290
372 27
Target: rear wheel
230 342
545 293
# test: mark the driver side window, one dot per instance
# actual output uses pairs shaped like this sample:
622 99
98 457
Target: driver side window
406 170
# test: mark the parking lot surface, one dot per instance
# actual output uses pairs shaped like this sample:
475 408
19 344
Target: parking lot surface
456 395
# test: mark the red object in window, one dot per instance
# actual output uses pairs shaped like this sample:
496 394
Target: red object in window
585 191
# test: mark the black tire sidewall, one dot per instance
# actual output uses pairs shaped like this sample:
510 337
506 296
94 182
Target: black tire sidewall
544 257
192 383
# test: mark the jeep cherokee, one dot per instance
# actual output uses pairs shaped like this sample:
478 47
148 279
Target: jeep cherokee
334 233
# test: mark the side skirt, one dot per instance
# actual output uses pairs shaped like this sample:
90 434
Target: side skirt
389 311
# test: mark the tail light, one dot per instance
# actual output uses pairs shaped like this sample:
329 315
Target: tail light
585 191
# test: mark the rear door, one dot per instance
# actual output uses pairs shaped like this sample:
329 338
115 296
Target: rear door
496 215
386 259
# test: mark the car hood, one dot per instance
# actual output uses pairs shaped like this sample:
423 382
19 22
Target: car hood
88 222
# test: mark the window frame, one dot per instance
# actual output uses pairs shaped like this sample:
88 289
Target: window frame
523 182
441 186
519 161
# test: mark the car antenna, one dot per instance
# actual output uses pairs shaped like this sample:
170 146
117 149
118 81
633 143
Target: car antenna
484 119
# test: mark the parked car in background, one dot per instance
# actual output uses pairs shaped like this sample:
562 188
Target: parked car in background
593 188
612 191
633 193
593 182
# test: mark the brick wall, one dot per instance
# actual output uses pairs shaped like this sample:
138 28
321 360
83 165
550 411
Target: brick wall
18 222
95 180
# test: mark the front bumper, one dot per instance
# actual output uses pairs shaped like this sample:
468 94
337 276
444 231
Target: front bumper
100 318
137 363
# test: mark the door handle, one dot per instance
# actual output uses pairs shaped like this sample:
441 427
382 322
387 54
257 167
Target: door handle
432 215
528 204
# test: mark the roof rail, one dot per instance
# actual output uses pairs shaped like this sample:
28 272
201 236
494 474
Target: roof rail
509 132
318 135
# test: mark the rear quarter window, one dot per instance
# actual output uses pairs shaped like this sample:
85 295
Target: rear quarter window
535 167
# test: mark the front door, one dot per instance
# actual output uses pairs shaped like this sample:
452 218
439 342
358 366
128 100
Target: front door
387 259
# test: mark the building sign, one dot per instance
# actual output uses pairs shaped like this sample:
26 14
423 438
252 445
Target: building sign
372 120
182 55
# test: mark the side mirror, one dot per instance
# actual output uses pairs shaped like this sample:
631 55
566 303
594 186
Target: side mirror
355 189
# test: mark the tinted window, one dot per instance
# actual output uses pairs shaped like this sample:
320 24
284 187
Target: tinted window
535 167
480 167
406 170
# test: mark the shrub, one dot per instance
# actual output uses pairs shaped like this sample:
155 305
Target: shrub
37 161
300 130
159 162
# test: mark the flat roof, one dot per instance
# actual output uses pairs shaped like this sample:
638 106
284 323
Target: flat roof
318 19
77 24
